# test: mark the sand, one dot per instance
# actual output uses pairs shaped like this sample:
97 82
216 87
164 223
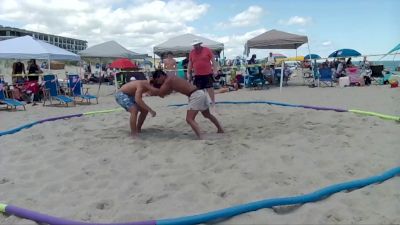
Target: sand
88 169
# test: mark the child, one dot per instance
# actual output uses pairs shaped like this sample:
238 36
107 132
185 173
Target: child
129 97
198 101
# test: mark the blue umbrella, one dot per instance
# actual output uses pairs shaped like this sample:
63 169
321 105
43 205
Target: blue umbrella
312 56
345 53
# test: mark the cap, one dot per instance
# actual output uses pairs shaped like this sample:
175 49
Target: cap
196 42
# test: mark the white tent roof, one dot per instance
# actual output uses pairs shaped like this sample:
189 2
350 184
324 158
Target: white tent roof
27 47
110 49
275 39
181 45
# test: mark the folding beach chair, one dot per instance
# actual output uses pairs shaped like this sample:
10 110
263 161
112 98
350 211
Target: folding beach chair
52 91
12 103
277 77
76 89
325 77
355 77
255 79
377 75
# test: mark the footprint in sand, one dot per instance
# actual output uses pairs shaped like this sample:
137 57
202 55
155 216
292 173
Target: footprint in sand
349 171
169 160
223 194
285 209
104 205
288 159
216 136
105 161
4 180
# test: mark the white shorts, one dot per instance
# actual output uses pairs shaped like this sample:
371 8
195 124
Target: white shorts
198 101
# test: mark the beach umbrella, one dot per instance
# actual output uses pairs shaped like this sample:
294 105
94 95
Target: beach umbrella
312 56
123 63
294 58
345 53
278 55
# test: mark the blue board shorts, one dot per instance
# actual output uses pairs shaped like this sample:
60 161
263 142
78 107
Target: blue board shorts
124 100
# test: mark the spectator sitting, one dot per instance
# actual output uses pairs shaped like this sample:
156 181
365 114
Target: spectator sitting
349 63
268 73
252 60
365 64
340 70
366 71
220 78
286 71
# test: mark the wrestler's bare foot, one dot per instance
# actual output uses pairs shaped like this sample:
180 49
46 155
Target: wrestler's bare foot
135 136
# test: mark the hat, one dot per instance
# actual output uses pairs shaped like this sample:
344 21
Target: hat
196 42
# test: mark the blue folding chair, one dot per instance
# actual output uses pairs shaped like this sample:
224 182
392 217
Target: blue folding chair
254 79
9 101
76 87
52 91
325 77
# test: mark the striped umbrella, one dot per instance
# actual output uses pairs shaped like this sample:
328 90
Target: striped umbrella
278 55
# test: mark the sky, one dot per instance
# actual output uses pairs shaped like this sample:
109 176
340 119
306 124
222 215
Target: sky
369 26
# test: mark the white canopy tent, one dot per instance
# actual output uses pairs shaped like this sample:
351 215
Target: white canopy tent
110 49
182 45
27 47
275 39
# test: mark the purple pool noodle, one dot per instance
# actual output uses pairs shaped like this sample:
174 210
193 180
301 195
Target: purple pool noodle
60 118
323 108
42 218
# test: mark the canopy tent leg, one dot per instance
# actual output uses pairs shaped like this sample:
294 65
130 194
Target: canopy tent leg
223 57
100 77
49 63
281 81
312 66
154 60
115 81
80 68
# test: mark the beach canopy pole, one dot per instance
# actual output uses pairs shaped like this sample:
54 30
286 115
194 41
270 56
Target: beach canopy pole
281 81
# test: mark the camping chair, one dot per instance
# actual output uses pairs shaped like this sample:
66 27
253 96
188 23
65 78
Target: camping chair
76 88
255 79
9 101
325 77
377 75
277 77
52 91
120 79
355 77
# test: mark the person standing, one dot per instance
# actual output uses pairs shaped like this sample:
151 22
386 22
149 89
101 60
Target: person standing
202 61
185 63
170 64
271 59
18 68
33 68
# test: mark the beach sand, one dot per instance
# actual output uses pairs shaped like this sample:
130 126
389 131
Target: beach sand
88 169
